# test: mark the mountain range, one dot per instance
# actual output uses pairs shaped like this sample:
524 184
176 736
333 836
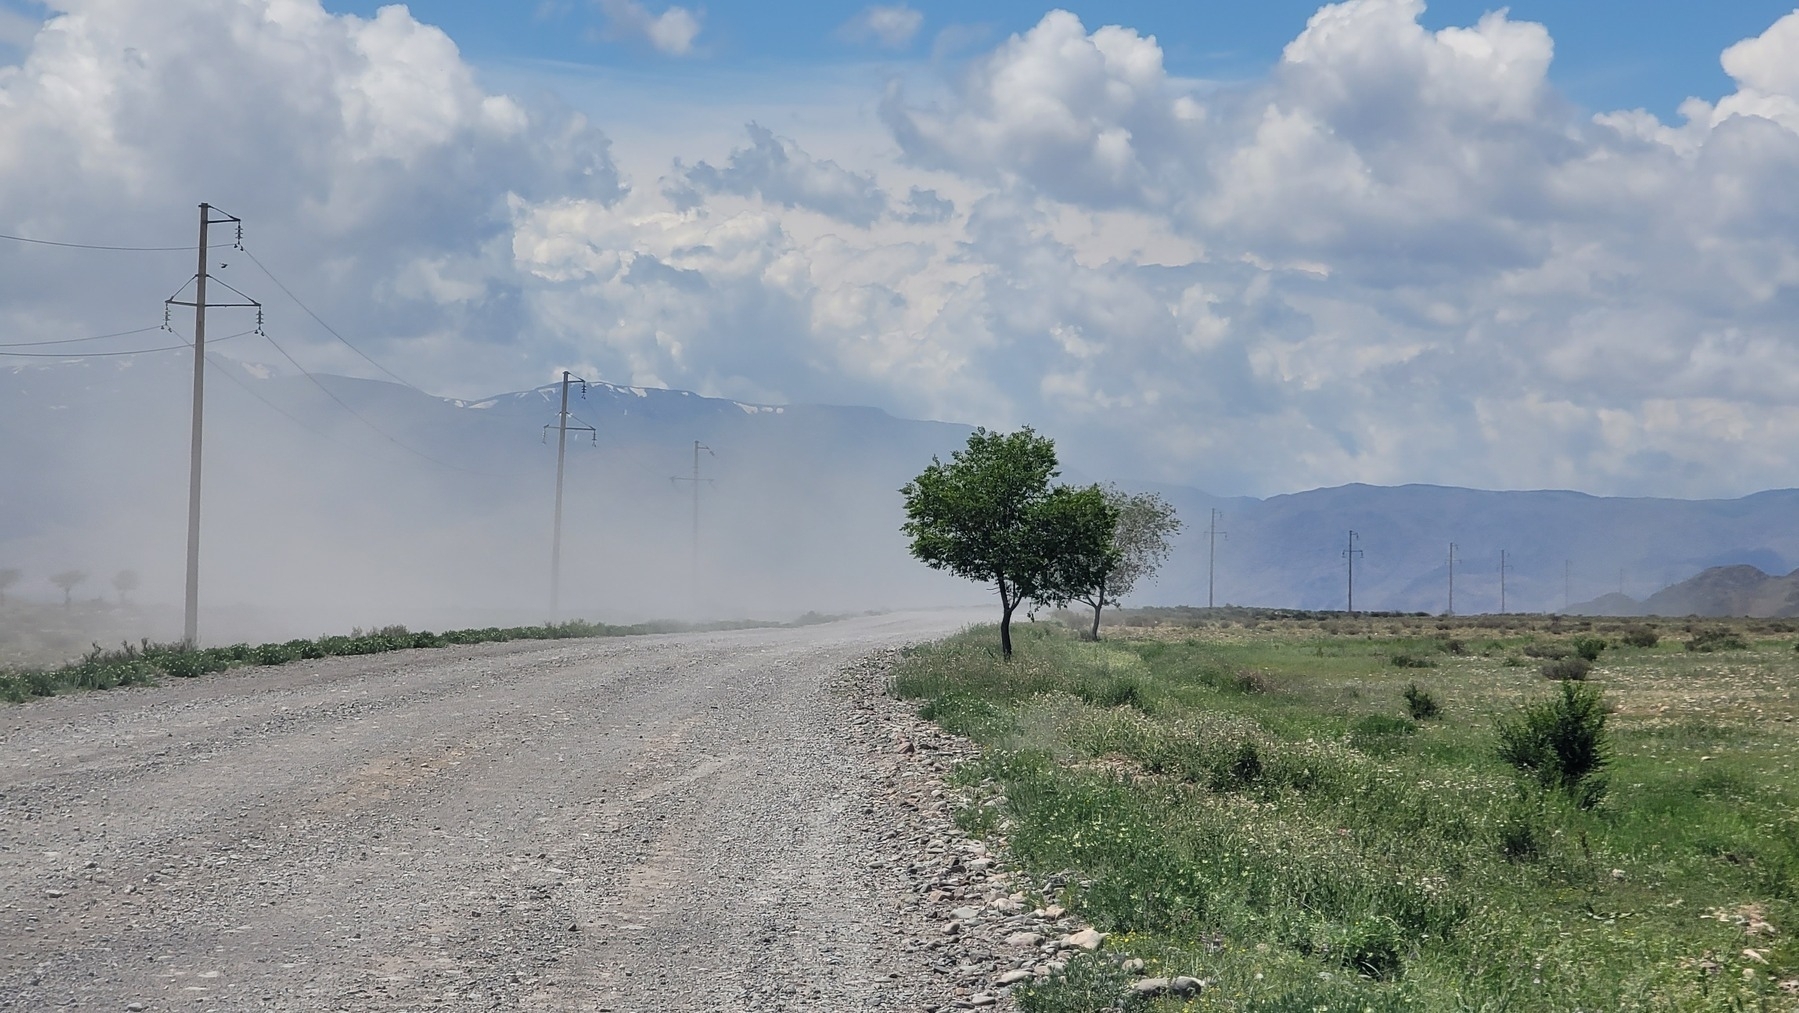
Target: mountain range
331 501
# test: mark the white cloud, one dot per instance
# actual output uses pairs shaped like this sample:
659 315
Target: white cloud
775 169
671 32
362 155
1400 256
891 26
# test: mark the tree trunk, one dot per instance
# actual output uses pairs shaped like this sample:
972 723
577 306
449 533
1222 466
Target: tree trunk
1096 609
1005 630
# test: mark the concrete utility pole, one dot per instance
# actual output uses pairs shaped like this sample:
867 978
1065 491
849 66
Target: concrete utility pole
1350 554
1502 582
1451 610
562 428
696 480
1212 557
190 634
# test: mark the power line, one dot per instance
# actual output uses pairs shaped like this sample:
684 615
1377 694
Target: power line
360 418
72 341
66 356
321 322
97 246
78 356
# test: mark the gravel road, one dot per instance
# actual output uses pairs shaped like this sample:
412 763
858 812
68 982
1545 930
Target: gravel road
670 822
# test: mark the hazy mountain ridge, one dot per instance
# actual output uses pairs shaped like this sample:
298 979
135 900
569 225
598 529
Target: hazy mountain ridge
374 493
1739 590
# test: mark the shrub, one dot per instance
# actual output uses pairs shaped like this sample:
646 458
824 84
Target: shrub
1412 661
1567 669
273 654
1588 648
1561 741
1554 652
1638 635
1716 640
1238 768
1420 704
1522 835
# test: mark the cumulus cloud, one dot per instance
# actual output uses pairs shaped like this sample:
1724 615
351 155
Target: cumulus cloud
370 168
778 171
1399 256
890 26
1089 118
671 32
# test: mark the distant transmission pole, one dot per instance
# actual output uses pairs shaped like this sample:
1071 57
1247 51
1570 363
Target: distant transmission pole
1350 554
1502 582
697 447
191 625
1567 584
1212 557
1451 610
562 428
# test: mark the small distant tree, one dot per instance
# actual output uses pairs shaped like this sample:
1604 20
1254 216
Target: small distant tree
8 577
990 514
67 581
1139 543
125 582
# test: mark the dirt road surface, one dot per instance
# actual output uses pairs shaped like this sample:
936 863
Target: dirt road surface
650 823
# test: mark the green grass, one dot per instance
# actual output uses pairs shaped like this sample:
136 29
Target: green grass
147 663
1256 806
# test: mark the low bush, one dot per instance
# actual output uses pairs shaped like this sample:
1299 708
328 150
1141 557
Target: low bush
1554 652
1561 741
1707 641
1639 635
1567 669
1588 648
1420 704
1412 661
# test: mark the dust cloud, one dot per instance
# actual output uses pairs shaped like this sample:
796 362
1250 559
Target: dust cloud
367 503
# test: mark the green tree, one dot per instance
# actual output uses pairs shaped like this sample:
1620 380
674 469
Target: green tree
67 581
8 577
1143 523
990 514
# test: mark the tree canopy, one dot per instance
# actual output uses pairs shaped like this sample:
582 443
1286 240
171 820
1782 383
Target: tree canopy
1138 544
991 514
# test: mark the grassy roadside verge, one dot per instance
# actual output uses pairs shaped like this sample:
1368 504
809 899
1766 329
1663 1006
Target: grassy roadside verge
148 663
1259 808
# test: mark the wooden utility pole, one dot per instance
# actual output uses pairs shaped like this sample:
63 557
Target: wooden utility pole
1451 610
1350 554
1502 582
190 633
694 563
1212 558
562 428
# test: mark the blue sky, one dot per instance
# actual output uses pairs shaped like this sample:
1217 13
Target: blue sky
1254 248
1610 54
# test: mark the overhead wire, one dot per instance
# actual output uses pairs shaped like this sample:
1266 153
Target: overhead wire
72 341
71 356
361 418
98 246
321 322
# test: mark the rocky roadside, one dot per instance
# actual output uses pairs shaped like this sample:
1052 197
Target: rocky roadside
992 929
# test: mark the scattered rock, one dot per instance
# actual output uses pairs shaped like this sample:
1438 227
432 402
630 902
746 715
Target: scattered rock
1150 986
1085 939
1184 985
